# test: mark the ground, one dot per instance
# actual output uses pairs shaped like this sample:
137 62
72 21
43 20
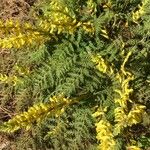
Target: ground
16 9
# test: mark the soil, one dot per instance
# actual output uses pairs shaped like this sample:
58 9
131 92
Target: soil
14 9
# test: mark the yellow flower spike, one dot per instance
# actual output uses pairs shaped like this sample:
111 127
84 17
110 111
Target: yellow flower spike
19 35
104 130
140 12
120 119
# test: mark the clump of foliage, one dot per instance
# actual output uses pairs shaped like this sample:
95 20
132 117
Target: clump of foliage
80 77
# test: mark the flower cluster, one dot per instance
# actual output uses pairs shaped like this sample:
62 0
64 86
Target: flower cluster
140 12
104 131
105 135
9 79
124 117
102 65
59 20
20 34
135 115
36 113
121 102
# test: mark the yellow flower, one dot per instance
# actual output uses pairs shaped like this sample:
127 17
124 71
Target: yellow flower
133 148
104 131
102 65
9 79
105 136
140 12
135 115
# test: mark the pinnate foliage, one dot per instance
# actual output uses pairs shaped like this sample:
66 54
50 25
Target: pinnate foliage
81 74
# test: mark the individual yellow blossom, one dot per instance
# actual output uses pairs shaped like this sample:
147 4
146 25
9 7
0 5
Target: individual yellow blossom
3 78
124 62
97 114
107 5
133 148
